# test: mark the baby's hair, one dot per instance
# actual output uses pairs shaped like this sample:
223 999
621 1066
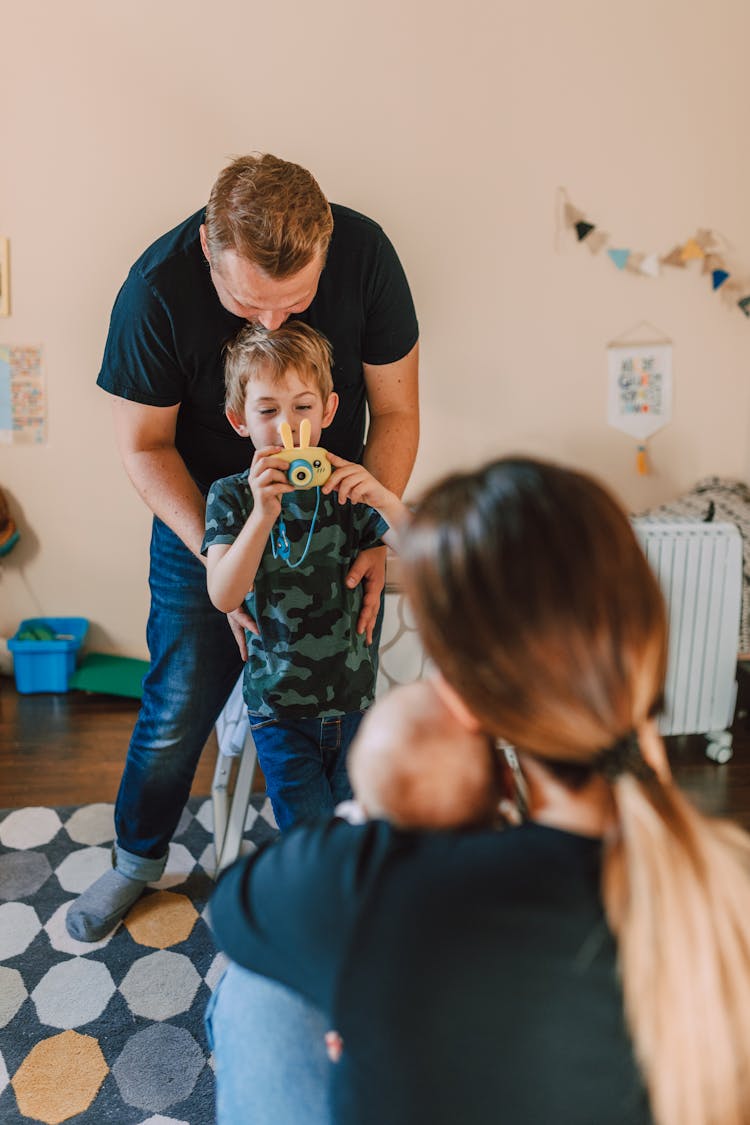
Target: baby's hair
259 351
413 765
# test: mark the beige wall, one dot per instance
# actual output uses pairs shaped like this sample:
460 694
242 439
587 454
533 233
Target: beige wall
453 127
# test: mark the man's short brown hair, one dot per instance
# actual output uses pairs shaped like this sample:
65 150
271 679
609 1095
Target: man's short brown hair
262 351
270 212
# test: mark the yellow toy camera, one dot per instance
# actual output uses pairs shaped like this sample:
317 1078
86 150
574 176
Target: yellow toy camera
308 465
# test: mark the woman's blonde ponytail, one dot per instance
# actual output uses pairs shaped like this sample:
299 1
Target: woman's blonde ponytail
677 895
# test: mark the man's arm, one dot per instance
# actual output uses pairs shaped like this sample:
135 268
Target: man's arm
390 451
393 435
145 438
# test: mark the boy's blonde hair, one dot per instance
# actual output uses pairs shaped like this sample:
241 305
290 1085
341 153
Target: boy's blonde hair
273 352
270 212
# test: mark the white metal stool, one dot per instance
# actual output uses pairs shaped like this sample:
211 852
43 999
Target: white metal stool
235 743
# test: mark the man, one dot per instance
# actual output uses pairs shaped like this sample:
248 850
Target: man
268 246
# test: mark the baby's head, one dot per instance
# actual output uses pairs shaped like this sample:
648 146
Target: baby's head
282 374
413 764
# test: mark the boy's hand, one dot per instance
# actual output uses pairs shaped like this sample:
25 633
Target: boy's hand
268 482
353 482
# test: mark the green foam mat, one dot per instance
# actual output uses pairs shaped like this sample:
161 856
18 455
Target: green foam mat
109 675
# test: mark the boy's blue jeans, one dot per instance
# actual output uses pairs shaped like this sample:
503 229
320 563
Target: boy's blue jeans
304 764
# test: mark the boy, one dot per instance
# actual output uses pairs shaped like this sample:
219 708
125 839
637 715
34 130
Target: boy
285 553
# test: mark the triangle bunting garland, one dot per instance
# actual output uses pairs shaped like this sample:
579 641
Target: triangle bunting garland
619 257
705 247
691 250
674 258
650 265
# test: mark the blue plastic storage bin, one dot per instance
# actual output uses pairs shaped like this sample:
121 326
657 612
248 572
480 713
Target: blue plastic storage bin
47 665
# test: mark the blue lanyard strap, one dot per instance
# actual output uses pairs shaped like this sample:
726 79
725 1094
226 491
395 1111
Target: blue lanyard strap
280 545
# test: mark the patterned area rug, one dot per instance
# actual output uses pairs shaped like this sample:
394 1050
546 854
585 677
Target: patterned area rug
110 1032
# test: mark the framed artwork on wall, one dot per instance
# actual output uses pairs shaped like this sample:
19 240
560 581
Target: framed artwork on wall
4 277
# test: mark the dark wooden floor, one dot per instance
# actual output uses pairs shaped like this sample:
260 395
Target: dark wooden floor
69 749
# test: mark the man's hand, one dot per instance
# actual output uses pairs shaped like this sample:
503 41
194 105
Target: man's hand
368 568
239 620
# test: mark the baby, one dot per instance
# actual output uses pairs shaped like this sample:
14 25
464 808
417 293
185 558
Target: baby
413 764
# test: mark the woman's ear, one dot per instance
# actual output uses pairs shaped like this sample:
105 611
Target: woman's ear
455 703
330 409
237 422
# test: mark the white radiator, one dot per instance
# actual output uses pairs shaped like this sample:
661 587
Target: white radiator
699 568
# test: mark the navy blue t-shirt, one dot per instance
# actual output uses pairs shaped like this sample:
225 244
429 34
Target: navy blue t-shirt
168 330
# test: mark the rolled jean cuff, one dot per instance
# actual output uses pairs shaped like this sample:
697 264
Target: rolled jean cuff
138 866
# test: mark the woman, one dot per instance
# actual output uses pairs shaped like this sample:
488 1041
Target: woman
589 966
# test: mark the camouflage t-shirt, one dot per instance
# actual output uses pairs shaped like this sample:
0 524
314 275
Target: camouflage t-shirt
308 659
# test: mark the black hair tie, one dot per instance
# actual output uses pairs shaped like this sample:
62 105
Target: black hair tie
623 756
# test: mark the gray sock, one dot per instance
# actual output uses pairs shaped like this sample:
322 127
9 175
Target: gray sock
98 910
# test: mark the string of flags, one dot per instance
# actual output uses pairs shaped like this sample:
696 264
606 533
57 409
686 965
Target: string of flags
705 247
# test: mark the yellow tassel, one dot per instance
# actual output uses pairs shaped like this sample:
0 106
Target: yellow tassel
641 461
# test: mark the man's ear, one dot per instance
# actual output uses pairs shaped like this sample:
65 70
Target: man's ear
455 703
330 409
237 422
204 244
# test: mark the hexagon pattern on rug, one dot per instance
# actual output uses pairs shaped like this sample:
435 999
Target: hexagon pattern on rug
110 1031
22 874
60 1077
161 985
92 824
82 867
19 925
161 919
29 828
12 994
73 993
159 1067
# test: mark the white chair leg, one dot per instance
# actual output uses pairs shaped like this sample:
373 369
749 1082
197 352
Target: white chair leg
228 845
220 800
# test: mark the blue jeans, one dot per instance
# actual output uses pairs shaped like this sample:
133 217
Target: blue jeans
304 764
269 1050
195 663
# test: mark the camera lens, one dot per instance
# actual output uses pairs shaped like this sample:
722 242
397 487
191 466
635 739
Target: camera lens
300 473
